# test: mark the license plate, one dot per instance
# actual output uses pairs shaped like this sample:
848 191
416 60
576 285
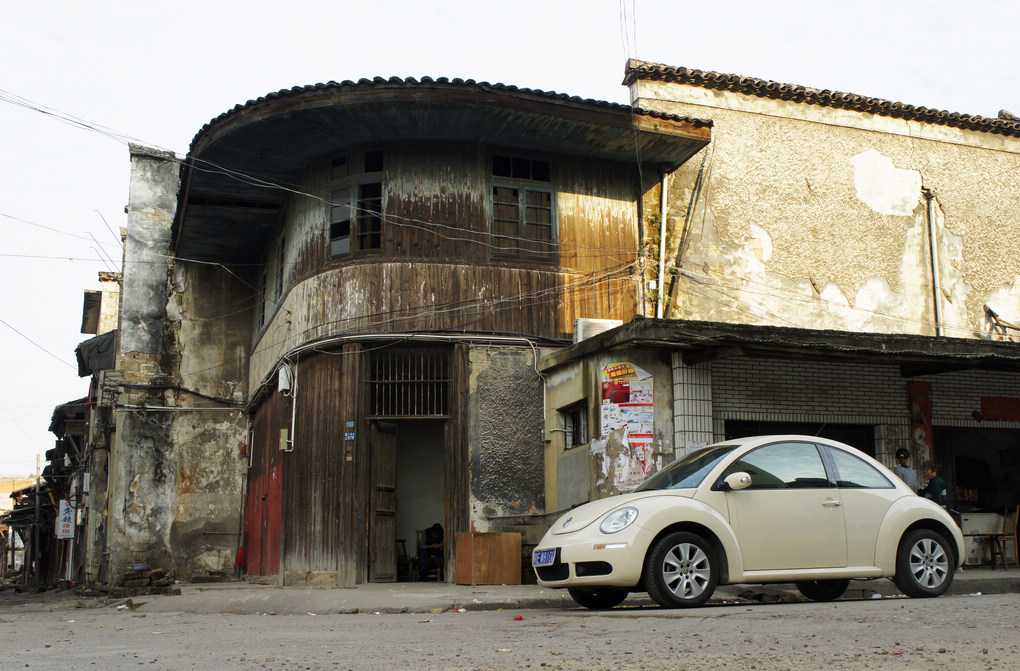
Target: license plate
543 557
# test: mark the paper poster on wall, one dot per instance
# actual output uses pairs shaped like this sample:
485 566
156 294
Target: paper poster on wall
628 411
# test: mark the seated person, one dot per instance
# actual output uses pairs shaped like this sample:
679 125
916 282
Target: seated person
431 546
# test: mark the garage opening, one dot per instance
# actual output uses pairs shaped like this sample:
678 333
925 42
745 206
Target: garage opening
861 436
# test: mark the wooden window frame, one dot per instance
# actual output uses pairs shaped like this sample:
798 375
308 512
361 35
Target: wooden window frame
522 203
356 208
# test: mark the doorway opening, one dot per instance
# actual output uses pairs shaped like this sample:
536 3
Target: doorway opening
421 490
861 436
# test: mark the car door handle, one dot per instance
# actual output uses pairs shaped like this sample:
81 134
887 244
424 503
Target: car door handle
829 503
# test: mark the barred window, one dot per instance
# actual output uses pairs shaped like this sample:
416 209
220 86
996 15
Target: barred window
409 382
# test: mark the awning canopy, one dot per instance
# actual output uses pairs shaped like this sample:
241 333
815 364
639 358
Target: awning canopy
701 342
96 354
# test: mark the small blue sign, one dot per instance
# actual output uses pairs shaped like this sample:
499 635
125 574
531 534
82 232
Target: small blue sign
348 435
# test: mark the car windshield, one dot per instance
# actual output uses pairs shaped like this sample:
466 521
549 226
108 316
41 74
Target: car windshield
689 471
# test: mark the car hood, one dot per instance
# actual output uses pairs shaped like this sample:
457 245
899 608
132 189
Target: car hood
583 515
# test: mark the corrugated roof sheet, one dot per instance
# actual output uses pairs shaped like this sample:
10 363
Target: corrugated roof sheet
764 88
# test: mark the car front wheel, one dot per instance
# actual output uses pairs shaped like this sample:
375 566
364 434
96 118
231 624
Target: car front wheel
823 590
924 564
597 598
681 570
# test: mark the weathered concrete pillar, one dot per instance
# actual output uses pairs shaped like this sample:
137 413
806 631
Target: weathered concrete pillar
141 464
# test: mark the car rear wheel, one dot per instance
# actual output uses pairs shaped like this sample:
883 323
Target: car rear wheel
823 590
597 598
924 564
681 570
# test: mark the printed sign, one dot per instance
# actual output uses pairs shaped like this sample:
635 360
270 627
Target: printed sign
65 520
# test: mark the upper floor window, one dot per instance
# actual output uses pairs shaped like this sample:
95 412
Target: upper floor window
523 223
279 268
356 203
260 304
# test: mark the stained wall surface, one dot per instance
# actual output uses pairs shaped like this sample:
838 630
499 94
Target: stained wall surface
803 215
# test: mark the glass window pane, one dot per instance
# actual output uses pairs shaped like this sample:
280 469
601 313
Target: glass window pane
856 473
501 166
373 161
783 466
521 168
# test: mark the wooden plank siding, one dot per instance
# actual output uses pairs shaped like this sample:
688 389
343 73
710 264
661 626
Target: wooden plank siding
313 470
456 502
436 252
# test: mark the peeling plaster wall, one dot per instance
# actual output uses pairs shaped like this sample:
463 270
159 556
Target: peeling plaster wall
815 217
504 435
177 476
142 471
661 450
582 474
209 444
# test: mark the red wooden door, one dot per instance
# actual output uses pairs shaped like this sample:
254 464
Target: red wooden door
264 509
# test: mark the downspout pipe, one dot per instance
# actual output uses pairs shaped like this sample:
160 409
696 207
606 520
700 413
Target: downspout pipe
661 284
933 248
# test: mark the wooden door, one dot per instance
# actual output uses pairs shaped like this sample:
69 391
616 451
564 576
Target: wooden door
383 535
263 512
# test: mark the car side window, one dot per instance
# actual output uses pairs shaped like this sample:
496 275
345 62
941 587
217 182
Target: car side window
783 466
856 473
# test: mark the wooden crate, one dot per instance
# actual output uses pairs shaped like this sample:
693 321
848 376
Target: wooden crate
488 559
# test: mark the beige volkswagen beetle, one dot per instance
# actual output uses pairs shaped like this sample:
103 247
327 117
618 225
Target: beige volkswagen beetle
767 509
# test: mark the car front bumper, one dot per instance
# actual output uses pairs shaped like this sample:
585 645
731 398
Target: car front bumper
589 557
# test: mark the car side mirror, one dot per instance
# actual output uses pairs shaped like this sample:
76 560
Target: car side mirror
735 481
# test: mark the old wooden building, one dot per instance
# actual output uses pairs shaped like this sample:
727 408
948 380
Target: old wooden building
333 310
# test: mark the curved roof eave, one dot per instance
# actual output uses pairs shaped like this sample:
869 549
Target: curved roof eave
242 162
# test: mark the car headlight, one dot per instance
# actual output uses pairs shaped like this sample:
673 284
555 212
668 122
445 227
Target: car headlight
618 520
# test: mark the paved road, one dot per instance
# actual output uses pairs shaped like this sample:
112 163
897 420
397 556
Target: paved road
956 632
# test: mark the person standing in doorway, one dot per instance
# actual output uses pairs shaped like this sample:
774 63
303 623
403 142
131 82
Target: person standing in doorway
903 470
937 489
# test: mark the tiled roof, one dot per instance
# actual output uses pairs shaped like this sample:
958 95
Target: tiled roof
764 88
442 82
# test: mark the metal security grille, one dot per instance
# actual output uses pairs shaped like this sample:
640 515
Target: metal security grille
409 382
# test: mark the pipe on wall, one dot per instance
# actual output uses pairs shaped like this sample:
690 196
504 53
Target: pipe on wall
933 248
661 283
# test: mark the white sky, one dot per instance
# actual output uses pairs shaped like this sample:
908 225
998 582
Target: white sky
157 72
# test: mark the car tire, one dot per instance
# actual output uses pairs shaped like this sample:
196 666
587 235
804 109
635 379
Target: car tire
924 564
823 590
681 570
597 598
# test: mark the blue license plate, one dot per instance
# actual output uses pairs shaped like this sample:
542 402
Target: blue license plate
543 557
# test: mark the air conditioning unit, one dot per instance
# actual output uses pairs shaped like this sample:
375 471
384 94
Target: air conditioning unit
586 328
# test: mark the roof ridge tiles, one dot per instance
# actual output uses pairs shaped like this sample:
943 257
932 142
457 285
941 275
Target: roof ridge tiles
425 81
764 88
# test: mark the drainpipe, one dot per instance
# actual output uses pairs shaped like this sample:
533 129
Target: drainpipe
933 245
661 284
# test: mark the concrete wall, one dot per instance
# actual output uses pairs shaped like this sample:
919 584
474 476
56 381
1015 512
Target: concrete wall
209 339
817 217
141 468
595 470
177 459
507 477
